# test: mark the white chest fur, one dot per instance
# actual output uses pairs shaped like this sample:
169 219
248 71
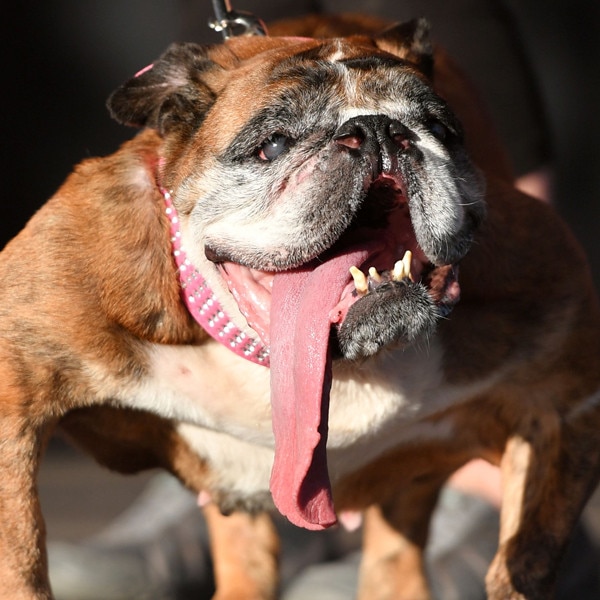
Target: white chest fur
223 405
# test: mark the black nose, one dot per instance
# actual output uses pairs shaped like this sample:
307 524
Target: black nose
374 135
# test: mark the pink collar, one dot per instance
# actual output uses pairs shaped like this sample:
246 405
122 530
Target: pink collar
204 305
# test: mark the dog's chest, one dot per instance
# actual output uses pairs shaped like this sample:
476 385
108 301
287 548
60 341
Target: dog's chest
223 405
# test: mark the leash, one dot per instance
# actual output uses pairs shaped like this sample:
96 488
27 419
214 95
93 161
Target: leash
233 23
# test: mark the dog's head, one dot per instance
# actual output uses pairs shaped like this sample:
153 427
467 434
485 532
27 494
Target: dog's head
291 161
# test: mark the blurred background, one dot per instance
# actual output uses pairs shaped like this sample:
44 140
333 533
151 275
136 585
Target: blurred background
62 58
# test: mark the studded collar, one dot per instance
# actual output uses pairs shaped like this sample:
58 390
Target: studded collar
202 303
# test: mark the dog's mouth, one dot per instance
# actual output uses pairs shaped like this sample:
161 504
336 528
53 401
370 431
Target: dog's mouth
298 313
377 248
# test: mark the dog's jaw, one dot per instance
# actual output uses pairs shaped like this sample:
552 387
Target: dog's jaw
385 253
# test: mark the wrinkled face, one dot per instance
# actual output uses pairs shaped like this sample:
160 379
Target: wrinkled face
345 145
336 149
324 186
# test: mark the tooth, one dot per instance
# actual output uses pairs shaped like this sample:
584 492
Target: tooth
360 280
373 274
407 260
398 271
402 267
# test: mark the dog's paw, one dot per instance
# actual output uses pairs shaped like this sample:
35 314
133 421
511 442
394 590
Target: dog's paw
392 313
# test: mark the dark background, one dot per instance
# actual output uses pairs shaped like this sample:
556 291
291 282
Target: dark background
62 58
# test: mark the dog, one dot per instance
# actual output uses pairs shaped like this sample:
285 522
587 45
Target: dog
299 285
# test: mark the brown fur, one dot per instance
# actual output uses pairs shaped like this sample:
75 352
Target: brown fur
91 277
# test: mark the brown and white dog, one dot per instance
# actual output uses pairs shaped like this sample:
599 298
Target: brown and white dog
141 307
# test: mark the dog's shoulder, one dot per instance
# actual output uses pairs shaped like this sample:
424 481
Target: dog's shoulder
93 267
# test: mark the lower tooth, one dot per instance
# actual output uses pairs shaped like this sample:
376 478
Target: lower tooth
373 274
402 270
407 260
360 280
403 267
398 272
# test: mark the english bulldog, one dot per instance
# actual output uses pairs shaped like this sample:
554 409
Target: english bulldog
294 287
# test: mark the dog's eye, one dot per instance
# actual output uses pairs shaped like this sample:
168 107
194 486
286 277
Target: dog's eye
273 147
439 131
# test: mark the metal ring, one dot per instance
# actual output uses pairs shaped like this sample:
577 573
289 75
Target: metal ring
233 23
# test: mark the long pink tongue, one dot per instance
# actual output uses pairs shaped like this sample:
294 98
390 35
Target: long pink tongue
301 303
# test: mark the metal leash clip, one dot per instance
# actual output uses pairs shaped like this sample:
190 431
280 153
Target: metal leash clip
233 23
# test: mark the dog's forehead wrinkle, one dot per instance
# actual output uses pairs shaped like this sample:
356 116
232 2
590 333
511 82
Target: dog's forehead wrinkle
371 62
397 94
335 62
338 49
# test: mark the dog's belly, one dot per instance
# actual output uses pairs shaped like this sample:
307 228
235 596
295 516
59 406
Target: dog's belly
223 405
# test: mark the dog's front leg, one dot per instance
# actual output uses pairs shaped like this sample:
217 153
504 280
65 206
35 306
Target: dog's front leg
547 478
395 535
245 551
23 562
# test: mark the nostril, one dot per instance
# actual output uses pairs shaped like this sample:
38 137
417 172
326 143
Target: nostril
399 134
350 135
353 141
374 134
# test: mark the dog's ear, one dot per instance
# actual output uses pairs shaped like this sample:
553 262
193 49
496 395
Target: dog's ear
168 94
411 42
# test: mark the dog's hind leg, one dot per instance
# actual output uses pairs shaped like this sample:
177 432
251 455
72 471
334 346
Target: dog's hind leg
395 535
548 474
245 551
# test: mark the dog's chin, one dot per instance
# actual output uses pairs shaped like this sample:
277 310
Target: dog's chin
392 294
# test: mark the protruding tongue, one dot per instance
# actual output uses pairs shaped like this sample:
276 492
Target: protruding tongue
301 303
